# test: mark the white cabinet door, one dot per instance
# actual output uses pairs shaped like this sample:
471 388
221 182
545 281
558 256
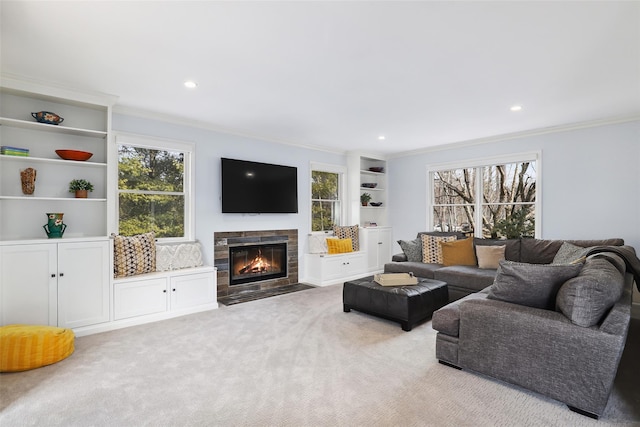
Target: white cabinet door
28 284
83 283
140 297
378 246
385 246
190 290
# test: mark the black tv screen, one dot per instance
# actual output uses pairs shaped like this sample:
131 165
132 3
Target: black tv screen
252 187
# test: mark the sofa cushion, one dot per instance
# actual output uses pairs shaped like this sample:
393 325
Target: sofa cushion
465 276
412 249
586 298
419 269
512 247
538 251
348 232
431 250
569 254
489 256
533 285
458 252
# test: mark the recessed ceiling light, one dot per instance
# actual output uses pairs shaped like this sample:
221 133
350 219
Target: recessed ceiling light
381 137
190 84
516 108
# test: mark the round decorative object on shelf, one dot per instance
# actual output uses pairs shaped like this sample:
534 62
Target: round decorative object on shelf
28 179
54 227
378 169
369 184
74 155
47 117
375 204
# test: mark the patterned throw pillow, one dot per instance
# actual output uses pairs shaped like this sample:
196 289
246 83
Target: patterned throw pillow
431 250
412 249
339 246
134 254
348 232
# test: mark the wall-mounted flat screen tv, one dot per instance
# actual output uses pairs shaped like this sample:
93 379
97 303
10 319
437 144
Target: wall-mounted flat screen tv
253 187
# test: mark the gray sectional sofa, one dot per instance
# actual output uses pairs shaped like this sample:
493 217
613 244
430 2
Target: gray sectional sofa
466 279
558 329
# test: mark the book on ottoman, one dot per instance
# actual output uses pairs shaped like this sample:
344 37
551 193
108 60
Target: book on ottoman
395 279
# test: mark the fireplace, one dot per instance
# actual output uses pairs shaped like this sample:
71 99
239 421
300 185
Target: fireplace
256 262
225 240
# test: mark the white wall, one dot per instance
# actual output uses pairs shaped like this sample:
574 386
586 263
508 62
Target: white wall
590 182
210 147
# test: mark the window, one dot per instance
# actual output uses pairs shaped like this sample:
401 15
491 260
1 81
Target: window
500 196
326 196
154 194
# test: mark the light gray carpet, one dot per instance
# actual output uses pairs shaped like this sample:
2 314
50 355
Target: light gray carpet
289 360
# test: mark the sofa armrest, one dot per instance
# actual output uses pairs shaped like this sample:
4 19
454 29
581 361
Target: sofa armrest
401 257
540 350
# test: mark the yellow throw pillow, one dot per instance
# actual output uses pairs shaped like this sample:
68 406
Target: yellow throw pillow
339 246
458 252
431 251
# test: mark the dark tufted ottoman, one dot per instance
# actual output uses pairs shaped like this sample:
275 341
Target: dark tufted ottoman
408 305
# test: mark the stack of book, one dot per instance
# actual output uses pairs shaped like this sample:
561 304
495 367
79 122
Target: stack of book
14 151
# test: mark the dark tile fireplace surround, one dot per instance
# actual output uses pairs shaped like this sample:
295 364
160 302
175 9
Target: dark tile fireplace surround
241 240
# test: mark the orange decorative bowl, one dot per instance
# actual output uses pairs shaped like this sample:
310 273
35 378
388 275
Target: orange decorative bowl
74 155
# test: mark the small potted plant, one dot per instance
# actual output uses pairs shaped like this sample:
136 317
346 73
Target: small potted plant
364 198
81 187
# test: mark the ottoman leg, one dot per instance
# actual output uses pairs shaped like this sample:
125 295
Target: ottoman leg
346 308
406 326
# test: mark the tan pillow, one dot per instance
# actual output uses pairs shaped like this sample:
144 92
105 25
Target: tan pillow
458 252
490 256
431 250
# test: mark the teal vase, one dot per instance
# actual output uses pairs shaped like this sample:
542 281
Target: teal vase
55 227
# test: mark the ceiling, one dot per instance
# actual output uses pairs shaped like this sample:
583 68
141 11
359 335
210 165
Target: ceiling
339 74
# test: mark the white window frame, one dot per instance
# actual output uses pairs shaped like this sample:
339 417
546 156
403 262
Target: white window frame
342 189
188 149
535 156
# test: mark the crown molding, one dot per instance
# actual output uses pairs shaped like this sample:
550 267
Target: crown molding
517 135
167 118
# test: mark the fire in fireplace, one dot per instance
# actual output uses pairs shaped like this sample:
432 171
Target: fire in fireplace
256 262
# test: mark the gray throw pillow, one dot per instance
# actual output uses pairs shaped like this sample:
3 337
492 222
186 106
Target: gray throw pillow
569 254
412 249
586 298
533 285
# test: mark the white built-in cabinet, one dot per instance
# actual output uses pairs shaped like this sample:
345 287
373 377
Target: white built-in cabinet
177 291
55 283
68 281
325 269
377 242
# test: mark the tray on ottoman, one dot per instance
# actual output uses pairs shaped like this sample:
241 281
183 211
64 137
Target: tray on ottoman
408 305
